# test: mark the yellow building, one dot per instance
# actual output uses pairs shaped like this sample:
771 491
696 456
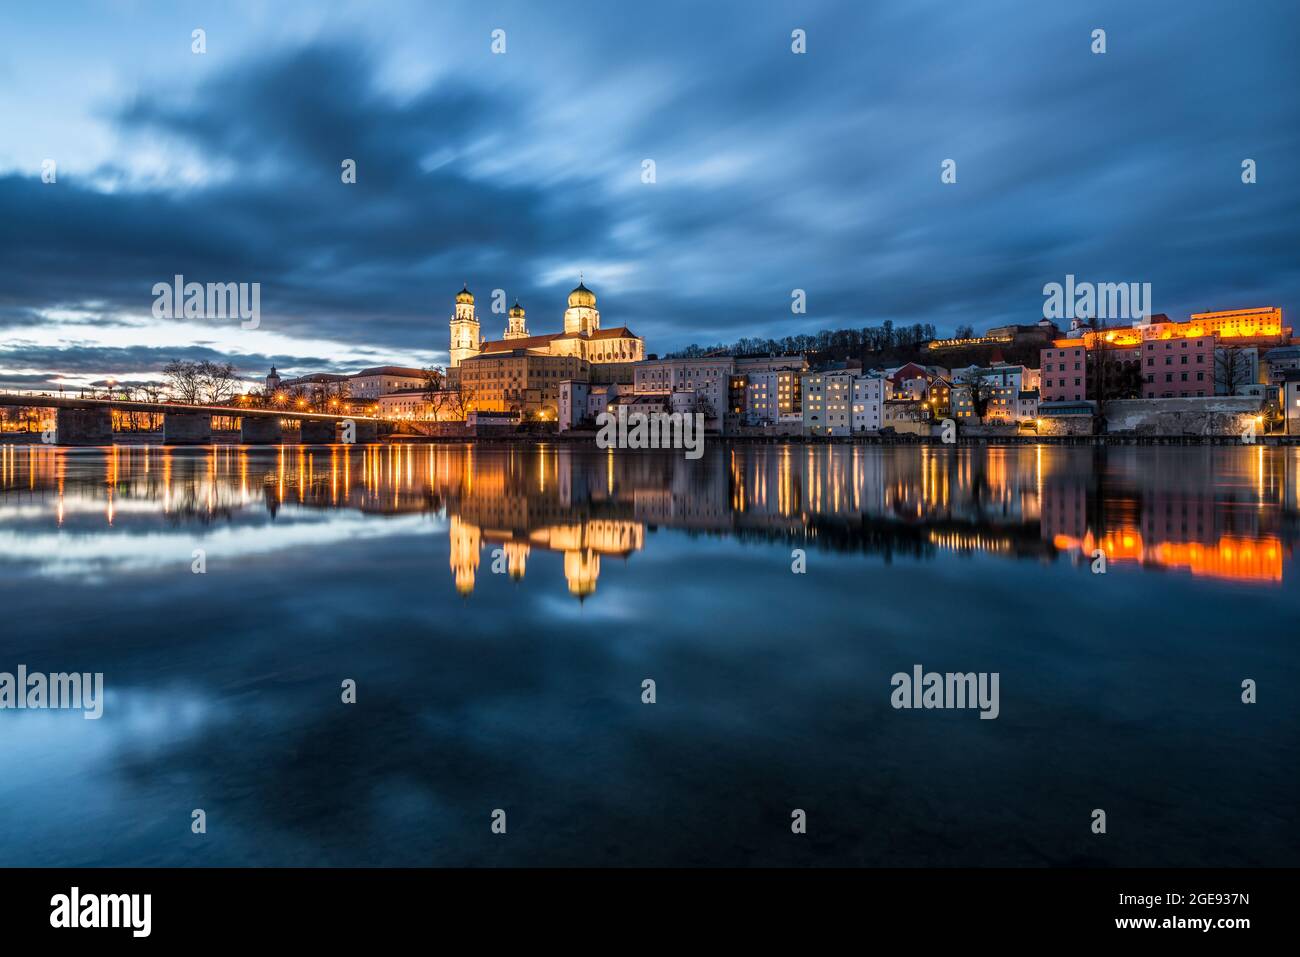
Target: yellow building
523 380
1264 323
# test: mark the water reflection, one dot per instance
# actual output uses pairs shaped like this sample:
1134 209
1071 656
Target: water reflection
500 607
1222 512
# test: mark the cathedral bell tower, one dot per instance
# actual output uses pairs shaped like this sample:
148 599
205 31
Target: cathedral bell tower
516 328
581 317
465 341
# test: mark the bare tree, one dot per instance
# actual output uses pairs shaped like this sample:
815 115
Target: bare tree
1231 369
195 383
452 405
434 379
183 382
980 390
220 381
435 383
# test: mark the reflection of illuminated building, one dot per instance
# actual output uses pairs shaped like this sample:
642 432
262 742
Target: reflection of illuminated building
581 569
464 547
1221 512
516 558
1230 557
1163 515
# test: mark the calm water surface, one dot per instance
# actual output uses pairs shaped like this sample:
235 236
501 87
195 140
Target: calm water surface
500 607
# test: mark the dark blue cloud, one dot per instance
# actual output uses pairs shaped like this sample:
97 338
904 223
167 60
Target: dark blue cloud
774 172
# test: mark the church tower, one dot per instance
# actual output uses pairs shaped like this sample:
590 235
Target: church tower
581 317
516 328
465 341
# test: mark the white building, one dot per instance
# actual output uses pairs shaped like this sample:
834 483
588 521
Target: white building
1003 384
709 378
762 398
868 398
1027 405
1289 398
381 380
581 402
827 402
405 404
1236 369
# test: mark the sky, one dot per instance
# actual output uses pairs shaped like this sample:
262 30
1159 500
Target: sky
774 171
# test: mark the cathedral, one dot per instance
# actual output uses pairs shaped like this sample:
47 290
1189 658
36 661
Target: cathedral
582 337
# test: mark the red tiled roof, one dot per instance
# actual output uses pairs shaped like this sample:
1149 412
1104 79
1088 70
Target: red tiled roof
529 342
541 342
389 370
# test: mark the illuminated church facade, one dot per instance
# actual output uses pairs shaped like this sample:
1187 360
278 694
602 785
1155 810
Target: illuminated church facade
582 338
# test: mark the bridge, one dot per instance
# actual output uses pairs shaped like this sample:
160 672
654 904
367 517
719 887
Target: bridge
89 422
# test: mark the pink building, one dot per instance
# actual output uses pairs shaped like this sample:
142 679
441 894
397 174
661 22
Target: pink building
1064 372
1178 368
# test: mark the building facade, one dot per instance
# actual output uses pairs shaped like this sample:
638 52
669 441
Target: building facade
520 380
828 402
582 338
1002 385
1064 372
1289 399
708 377
581 402
1178 368
381 380
868 402
1158 346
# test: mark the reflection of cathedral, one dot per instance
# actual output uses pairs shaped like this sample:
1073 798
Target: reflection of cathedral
582 337
581 544
551 501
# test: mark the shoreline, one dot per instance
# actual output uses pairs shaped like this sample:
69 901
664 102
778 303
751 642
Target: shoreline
154 439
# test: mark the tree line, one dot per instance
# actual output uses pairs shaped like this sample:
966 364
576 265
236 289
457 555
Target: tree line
827 344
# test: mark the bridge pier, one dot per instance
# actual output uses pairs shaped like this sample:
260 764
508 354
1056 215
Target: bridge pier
367 433
84 427
259 430
187 428
316 432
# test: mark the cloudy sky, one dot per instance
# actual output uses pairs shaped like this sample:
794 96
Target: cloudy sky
519 171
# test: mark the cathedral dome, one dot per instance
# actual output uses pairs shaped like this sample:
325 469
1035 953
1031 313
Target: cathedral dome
465 296
582 296
516 311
